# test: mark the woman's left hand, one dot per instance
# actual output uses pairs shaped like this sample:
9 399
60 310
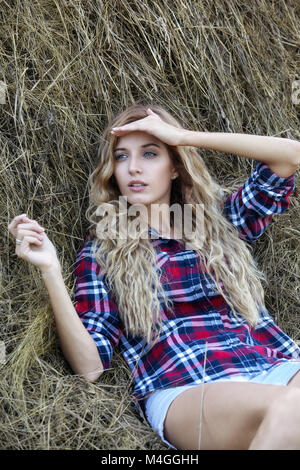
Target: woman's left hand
154 125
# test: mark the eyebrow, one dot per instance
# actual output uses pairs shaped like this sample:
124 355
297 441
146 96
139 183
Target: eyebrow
142 146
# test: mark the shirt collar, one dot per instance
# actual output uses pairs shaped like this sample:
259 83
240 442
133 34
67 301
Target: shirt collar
158 239
153 233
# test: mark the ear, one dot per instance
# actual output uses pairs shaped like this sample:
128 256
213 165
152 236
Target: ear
175 174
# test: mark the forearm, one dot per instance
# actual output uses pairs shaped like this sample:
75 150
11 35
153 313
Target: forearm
280 154
77 345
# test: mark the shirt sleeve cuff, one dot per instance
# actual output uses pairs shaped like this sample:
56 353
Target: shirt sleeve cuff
104 347
264 176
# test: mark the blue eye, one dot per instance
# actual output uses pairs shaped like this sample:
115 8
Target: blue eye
117 157
152 153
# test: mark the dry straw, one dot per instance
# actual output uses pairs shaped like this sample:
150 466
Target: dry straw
67 67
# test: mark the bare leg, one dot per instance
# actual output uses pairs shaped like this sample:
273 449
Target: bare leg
280 428
231 415
295 381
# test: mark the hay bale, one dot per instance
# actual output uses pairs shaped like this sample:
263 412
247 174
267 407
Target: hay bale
65 68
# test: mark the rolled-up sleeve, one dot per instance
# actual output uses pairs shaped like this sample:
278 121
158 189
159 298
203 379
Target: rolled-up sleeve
264 194
94 304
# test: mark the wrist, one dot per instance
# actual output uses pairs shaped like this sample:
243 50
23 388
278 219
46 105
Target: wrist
51 270
187 137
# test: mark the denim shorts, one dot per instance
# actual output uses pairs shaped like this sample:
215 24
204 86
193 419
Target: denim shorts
156 406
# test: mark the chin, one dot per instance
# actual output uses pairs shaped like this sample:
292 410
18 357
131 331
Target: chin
138 200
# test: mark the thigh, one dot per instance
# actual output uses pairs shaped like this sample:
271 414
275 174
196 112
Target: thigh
295 380
219 415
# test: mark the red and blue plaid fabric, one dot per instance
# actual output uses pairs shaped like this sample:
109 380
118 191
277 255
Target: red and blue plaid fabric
201 339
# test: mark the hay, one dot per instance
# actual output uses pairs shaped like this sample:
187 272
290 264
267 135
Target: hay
65 68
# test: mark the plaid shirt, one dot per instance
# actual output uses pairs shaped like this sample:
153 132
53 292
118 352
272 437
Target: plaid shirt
201 341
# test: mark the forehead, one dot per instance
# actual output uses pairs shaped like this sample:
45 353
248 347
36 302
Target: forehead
137 139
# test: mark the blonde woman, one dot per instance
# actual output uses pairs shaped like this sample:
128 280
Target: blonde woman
211 369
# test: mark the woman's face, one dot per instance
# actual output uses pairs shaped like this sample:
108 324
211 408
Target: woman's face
141 156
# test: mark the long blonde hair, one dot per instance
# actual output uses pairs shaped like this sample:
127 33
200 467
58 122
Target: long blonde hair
130 264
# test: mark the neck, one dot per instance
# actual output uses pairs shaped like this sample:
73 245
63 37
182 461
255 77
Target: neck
159 219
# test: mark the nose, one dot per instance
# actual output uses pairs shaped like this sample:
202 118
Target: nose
134 166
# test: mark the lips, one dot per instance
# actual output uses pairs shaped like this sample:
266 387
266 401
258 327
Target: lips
136 189
137 182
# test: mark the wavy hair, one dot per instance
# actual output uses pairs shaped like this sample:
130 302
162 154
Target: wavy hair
130 264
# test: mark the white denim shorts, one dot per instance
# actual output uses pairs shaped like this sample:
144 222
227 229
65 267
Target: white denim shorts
157 405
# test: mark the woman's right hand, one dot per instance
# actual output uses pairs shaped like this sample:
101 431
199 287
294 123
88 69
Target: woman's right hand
36 248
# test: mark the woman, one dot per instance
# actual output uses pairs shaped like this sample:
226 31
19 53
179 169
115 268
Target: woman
211 370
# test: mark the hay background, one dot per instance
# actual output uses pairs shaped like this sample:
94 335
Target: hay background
218 66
